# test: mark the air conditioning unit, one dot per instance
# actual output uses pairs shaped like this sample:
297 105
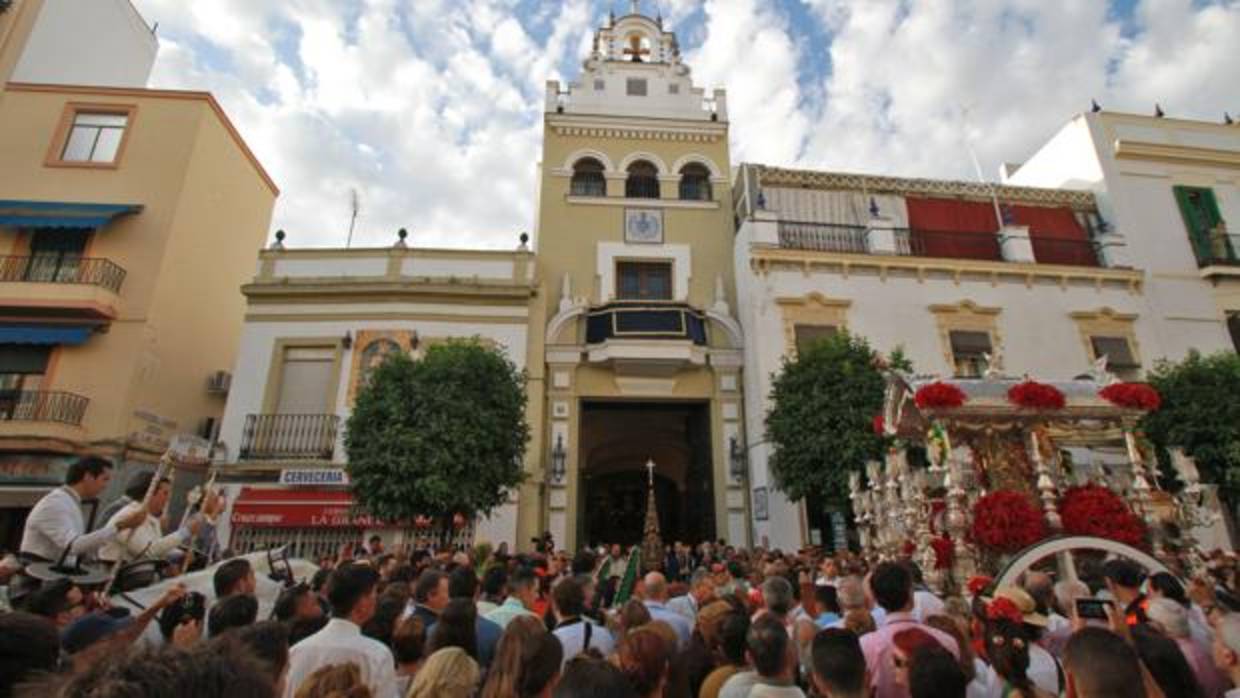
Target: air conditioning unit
219 382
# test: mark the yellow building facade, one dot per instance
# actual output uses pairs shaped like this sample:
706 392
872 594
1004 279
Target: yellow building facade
128 222
635 352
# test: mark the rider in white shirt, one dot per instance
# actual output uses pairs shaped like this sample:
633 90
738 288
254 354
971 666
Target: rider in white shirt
148 539
56 521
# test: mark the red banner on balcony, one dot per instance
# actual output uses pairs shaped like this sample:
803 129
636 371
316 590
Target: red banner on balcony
952 228
301 508
1056 234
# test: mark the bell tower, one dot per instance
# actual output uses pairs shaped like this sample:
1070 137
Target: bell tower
640 346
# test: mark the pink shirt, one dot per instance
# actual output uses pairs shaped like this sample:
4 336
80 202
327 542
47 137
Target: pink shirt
879 650
1213 683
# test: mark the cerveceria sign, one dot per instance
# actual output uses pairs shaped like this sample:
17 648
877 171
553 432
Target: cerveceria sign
313 476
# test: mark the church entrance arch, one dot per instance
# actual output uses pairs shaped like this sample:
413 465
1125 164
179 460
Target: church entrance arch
617 440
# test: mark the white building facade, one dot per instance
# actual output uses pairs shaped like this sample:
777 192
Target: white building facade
952 273
317 321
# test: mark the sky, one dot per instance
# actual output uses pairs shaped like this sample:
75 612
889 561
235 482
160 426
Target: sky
431 109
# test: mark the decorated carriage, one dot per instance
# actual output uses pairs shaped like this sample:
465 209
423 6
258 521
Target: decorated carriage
993 475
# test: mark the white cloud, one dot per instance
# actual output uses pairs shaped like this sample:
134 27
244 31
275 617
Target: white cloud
432 108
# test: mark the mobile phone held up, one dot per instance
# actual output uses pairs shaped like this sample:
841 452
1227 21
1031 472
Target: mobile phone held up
1093 609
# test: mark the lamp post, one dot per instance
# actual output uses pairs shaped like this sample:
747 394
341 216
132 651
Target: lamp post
737 461
558 458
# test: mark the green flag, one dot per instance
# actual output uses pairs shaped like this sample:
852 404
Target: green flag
629 579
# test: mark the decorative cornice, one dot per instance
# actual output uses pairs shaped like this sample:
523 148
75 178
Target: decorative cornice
876 184
636 133
1161 152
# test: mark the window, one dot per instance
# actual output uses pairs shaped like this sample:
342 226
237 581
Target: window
968 352
94 137
808 335
1120 358
588 179
635 87
642 182
673 89
1206 231
600 85
646 281
22 367
1233 326
306 380
695 183
55 255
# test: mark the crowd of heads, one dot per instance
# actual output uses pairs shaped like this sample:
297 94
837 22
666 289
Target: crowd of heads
716 621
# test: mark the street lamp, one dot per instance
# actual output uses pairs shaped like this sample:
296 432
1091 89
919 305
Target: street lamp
736 459
558 456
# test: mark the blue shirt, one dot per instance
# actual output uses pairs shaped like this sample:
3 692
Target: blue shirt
679 623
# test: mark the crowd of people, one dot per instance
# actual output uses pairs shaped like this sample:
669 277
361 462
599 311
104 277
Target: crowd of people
711 621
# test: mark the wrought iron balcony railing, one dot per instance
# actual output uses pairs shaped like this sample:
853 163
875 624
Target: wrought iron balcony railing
1218 249
645 320
289 436
823 237
63 269
42 406
949 244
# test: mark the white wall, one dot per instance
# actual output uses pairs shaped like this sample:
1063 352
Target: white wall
1136 197
88 42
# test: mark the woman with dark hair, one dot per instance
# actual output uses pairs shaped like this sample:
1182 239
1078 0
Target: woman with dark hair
1007 646
521 650
387 612
643 656
934 673
732 632
633 615
1165 662
456 628
409 650
703 655
587 677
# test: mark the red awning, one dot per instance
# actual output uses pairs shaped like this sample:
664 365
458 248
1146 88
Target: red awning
299 508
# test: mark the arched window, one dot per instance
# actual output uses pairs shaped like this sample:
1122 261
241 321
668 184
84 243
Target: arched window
695 183
643 181
588 178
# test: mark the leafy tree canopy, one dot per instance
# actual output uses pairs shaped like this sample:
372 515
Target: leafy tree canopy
438 436
1201 413
821 420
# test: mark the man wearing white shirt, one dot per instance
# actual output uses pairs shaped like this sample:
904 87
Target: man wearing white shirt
576 632
147 540
56 521
352 593
656 602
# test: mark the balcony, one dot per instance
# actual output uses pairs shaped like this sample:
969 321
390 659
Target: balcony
644 338
934 244
65 286
42 406
289 437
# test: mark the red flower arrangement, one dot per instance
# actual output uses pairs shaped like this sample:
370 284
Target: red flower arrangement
939 394
879 424
1138 396
943 552
1092 510
1036 396
1004 609
1006 522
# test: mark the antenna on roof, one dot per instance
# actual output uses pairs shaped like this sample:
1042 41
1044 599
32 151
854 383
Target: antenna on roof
355 205
977 167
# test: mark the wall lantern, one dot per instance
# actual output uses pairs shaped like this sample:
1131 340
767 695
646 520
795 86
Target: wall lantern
558 458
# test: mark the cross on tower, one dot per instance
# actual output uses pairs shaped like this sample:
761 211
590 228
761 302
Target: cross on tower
650 472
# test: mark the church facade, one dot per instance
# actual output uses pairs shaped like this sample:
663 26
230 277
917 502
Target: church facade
662 290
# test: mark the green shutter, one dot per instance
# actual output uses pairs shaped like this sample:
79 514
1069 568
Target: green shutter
1201 215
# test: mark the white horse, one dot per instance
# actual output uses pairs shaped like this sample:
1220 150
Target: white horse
201 581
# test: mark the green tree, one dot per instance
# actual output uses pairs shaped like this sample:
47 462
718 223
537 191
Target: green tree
1201 413
438 436
823 404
